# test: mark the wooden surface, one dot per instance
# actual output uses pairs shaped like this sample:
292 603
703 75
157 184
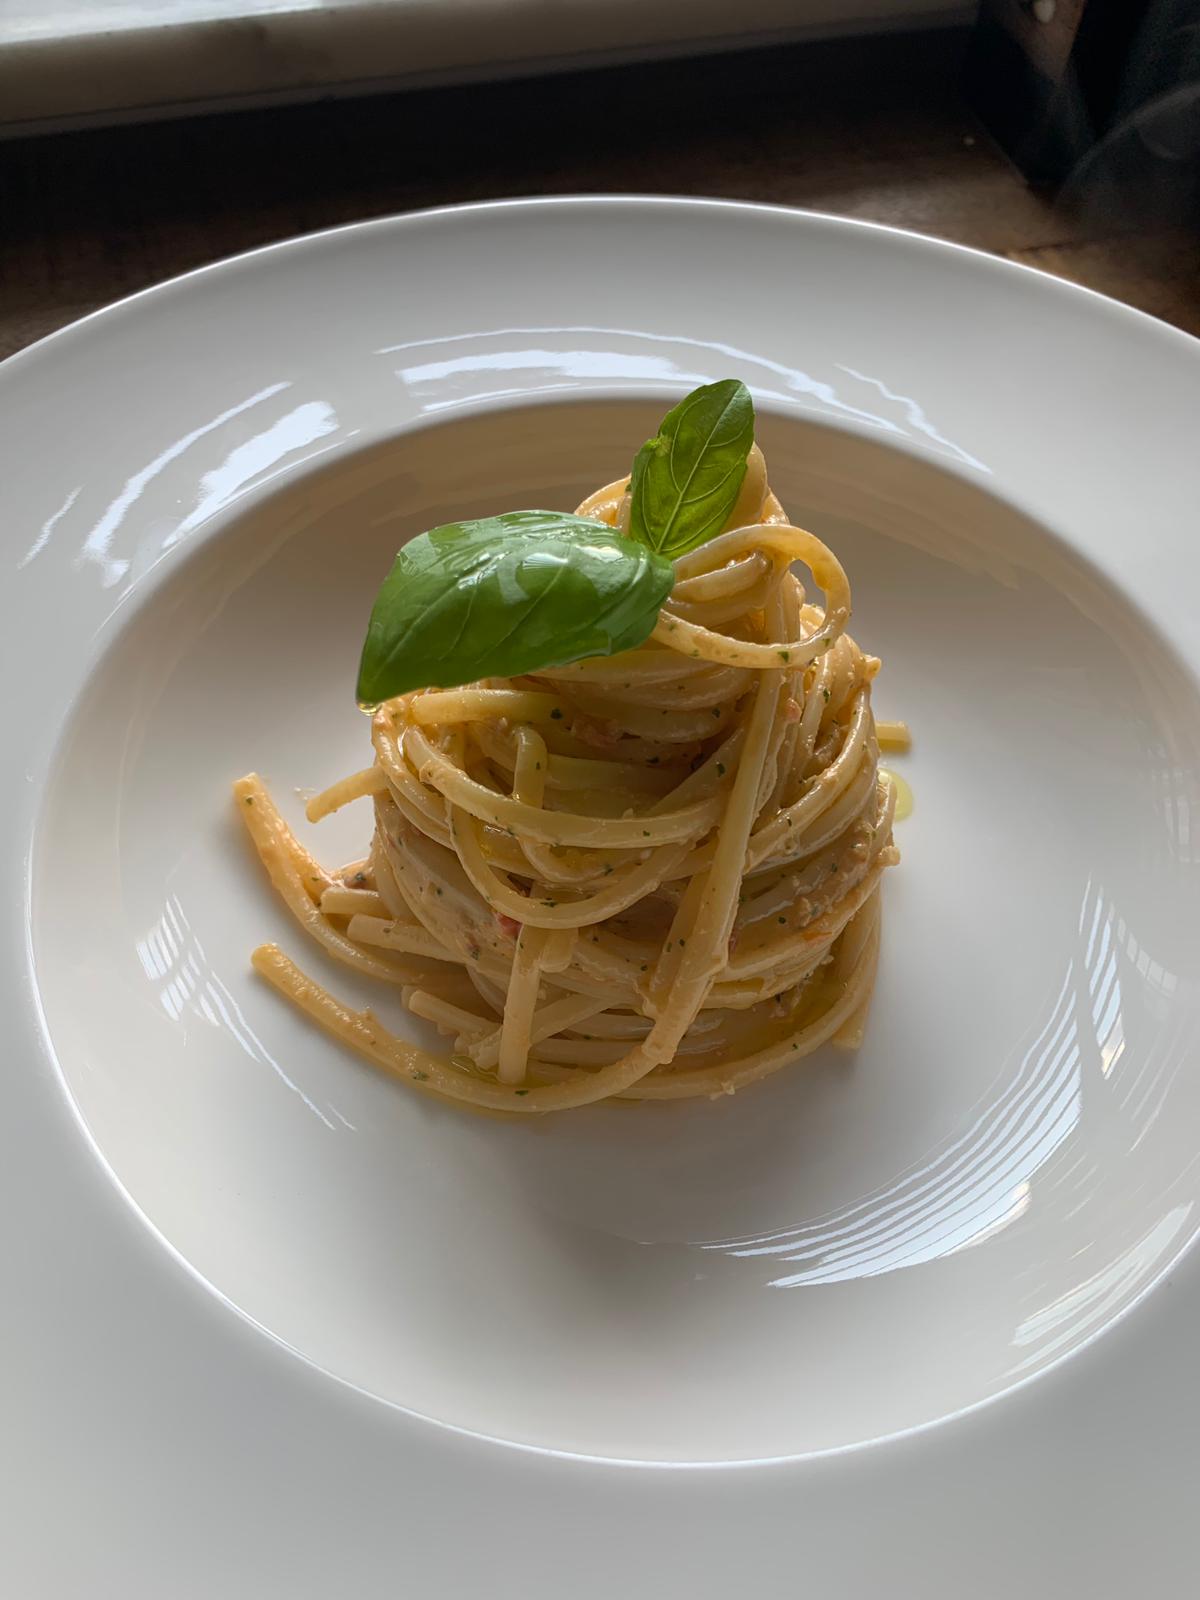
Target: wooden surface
871 129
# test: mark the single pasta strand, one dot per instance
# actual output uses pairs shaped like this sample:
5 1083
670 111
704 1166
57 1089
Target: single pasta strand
893 735
531 773
740 575
432 708
339 902
518 1010
712 922
449 1017
356 787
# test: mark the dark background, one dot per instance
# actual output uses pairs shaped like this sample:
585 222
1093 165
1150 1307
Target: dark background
887 128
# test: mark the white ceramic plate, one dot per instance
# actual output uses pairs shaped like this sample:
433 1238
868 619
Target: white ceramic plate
880 1326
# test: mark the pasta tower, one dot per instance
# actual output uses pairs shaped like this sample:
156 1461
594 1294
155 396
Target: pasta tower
651 875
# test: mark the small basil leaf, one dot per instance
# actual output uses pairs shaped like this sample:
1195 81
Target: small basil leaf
506 595
686 479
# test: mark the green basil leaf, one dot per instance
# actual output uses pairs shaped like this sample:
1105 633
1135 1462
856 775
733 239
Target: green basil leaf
506 595
686 479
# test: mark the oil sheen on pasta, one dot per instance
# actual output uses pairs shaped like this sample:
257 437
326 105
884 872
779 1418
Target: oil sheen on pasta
649 876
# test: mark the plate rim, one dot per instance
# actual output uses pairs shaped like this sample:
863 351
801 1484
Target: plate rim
13 368
467 209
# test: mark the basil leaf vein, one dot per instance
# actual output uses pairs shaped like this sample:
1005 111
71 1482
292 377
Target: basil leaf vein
685 481
506 595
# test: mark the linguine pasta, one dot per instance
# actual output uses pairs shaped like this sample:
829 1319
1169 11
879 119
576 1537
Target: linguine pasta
648 876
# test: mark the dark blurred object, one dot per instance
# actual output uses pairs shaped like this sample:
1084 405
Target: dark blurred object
870 128
1099 99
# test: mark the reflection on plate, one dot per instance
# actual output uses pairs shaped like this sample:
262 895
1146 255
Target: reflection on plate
1008 466
852 1249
